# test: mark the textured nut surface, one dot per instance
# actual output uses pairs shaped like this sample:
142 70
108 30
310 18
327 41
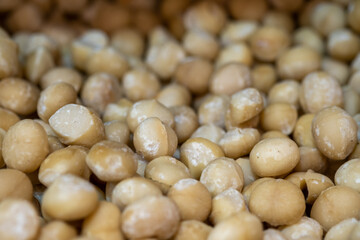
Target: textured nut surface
15 185
226 204
25 146
196 153
144 109
334 205
334 132
66 160
53 98
76 124
318 91
274 157
18 95
18 220
153 216
166 171
277 202
243 225
69 198
192 230
222 174
104 223
58 230
112 161
153 138
348 174
192 198
132 189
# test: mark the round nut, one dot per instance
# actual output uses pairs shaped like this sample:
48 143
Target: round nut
69 198
295 63
63 161
348 174
327 17
192 198
18 95
140 84
132 189
226 204
111 161
205 16
18 219
194 74
57 230
245 105
238 52
16 185
54 97
99 90
274 157
76 124
201 44
117 111
305 228
164 58
334 205
166 171
174 95
117 131
98 62
196 153
153 216
309 37
148 108
243 225
230 78
347 229
238 142
277 202
268 42
285 92
320 90
221 174
25 146
213 109
61 74
104 222
153 138
334 132
192 230
279 116
343 44
209 132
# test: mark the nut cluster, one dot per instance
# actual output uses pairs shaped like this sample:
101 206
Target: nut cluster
179 119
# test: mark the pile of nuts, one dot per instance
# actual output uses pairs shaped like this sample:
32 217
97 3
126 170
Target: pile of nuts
179 119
